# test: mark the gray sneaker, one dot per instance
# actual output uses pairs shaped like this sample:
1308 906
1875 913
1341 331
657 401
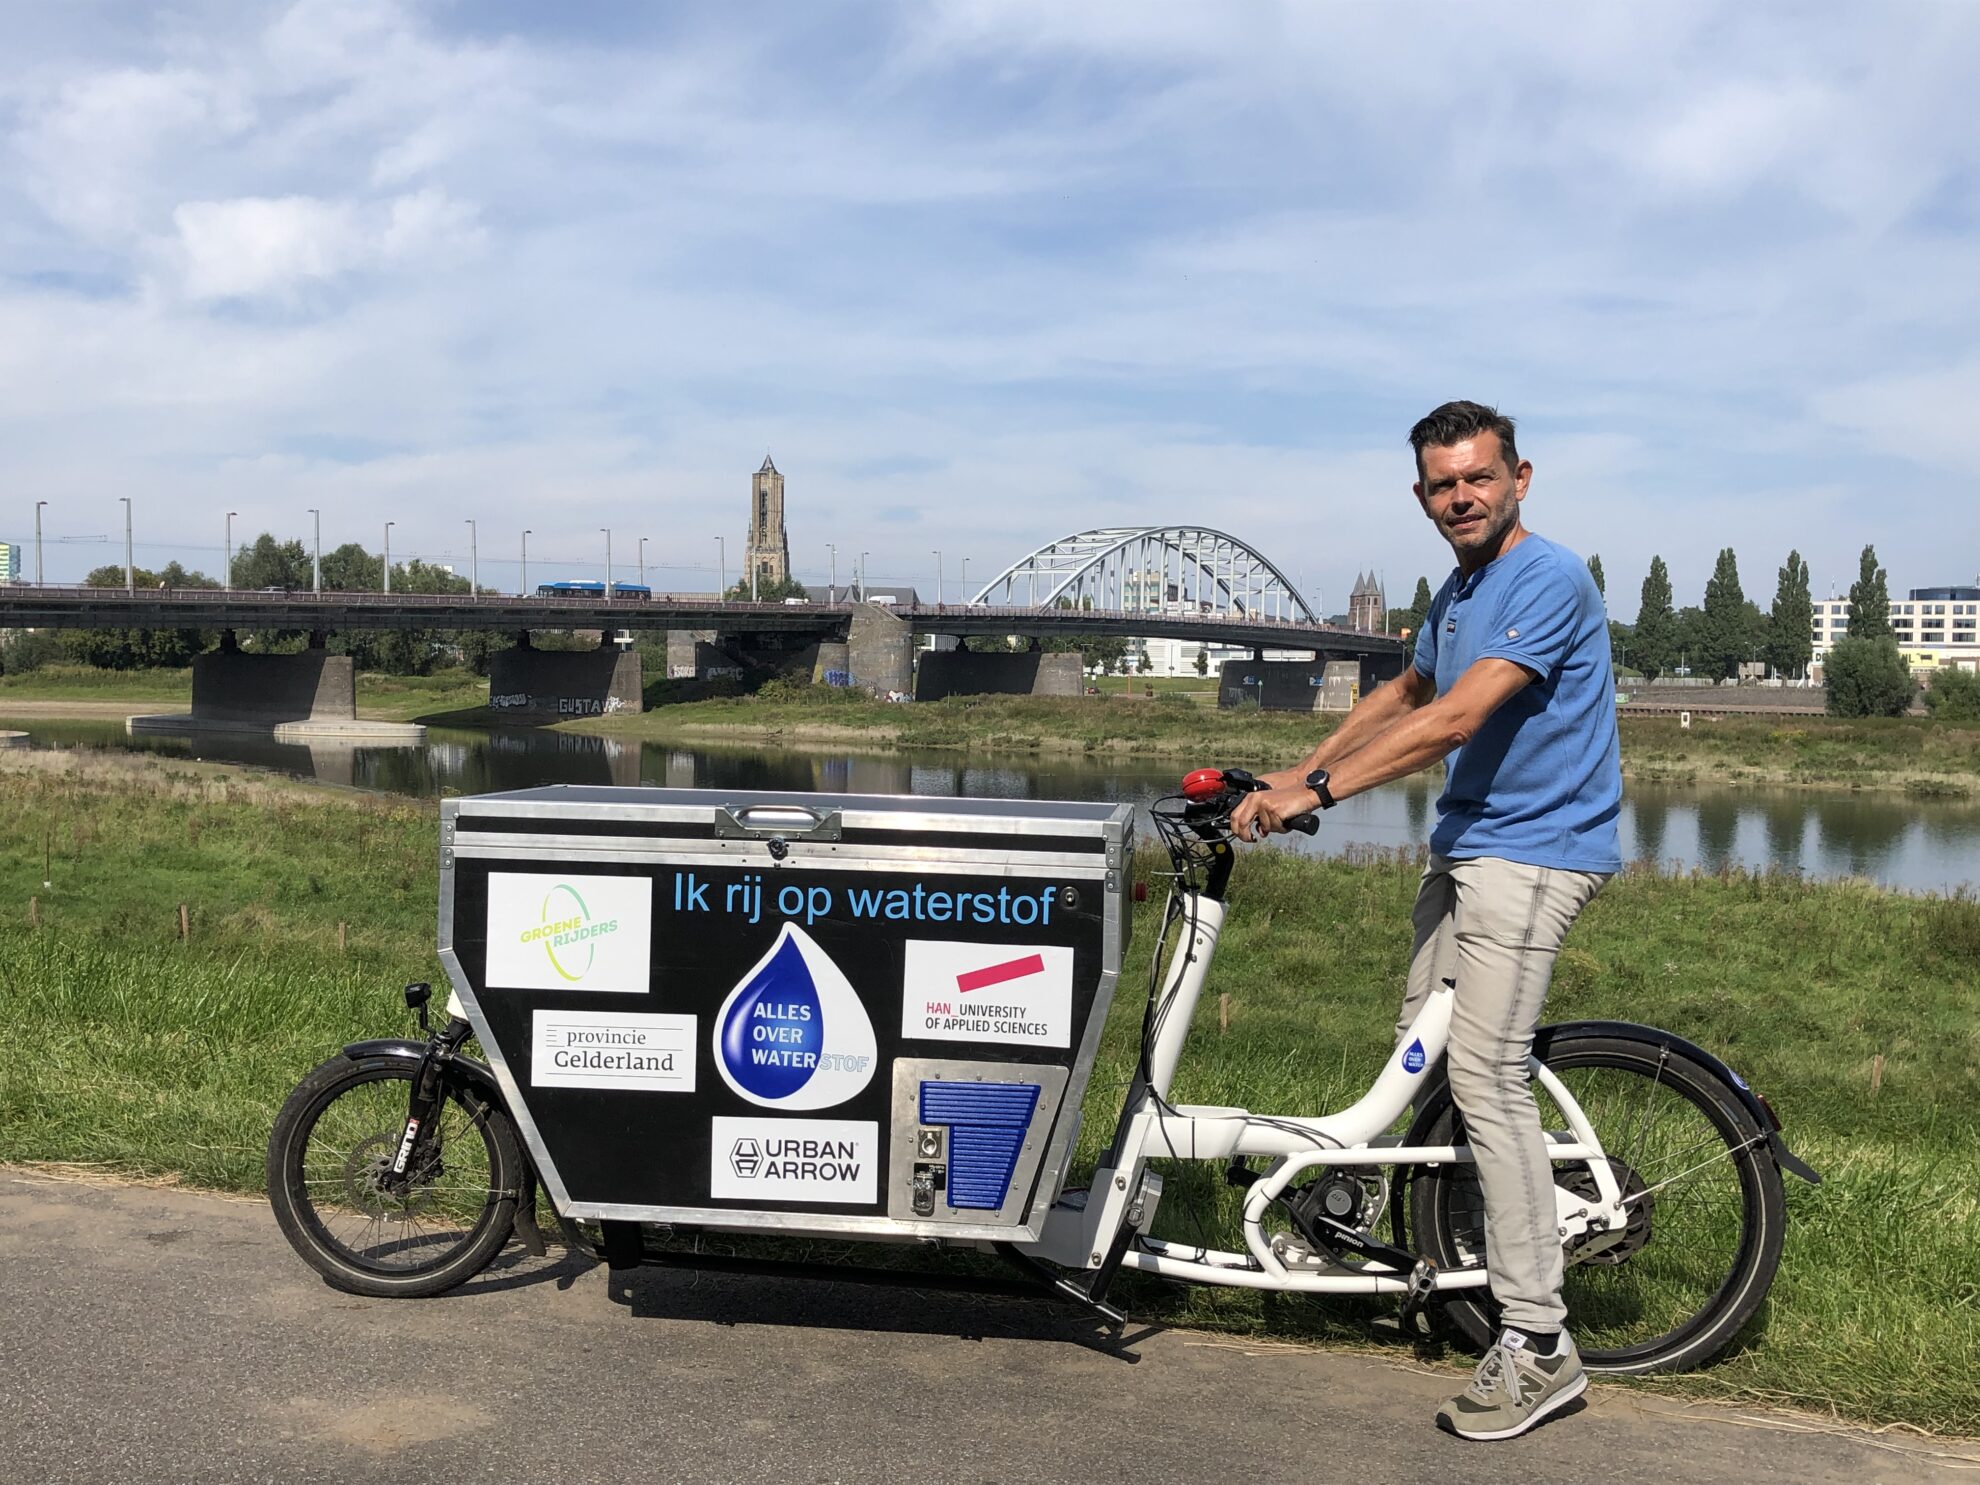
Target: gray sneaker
1513 1389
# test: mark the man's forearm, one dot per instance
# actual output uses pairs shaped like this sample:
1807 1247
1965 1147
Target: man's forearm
1376 712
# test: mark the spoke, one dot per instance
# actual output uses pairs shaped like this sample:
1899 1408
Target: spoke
1728 1153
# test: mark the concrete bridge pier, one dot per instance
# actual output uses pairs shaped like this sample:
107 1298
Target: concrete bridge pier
1028 672
533 685
308 696
880 651
1326 683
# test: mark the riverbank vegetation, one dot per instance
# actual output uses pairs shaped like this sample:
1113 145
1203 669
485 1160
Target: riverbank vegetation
136 1040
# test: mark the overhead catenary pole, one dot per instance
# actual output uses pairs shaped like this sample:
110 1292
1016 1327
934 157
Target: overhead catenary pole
642 562
608 562
37 541
316 554
130 572
525 563
388 555
832 580
862 575
474 560
721 570
230 547
938 579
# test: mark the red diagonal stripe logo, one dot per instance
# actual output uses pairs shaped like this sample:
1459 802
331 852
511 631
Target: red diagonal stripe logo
996 974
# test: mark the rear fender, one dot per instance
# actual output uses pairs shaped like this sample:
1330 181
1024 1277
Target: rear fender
1435 1098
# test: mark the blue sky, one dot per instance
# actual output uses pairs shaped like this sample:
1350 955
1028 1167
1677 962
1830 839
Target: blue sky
982 274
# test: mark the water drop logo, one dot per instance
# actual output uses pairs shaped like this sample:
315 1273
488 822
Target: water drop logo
1413 1058
792 1034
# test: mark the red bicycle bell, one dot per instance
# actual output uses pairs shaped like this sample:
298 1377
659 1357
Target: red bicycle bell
1204 783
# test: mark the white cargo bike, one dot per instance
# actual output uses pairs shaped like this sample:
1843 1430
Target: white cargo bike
840 1015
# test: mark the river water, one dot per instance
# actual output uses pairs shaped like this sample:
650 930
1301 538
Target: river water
1914 845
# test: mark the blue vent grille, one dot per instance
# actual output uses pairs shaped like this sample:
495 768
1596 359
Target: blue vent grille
987 1124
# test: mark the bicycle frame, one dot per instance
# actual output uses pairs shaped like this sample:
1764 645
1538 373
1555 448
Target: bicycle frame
1112 1226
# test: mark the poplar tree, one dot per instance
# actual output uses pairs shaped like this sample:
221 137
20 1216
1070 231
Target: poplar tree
1419 612
1595 571
1869 601
1723 637
1790 637
1656 624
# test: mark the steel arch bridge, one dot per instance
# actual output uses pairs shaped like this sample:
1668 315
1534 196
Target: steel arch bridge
1149 569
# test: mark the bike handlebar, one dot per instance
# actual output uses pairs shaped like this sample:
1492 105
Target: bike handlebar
1212 793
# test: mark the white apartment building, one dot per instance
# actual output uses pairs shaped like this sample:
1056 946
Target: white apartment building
1933 626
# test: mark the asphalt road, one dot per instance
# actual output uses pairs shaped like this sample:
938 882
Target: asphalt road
156 1335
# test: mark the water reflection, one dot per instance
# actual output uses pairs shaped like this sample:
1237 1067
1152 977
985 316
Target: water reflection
1919 844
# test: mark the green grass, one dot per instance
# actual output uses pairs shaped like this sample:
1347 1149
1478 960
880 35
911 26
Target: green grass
87 683
125 1048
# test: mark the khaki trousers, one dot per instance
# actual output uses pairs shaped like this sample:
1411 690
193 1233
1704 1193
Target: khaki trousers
1491 928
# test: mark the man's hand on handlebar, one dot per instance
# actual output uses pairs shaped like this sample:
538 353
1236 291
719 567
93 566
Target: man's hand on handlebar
1272 811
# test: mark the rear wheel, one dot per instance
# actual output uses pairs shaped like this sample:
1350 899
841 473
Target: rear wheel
1707 1215
329 1180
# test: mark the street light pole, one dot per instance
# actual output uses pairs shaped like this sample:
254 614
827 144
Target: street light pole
608 562
832 582
230 547
316 556
642 562
721 570
474 560
37 541
525 572
965 581
938 579
388 555
862 575
130 573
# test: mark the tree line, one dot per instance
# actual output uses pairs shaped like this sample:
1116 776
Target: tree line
1864 671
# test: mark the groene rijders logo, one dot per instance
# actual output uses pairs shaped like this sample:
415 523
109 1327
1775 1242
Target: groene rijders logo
568 933
793 1034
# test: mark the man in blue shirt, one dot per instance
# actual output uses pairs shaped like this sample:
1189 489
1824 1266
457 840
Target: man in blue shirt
1511 689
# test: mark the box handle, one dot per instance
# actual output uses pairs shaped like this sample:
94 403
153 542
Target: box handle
755 821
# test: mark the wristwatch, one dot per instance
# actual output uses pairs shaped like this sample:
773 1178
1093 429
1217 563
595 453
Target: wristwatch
1317 782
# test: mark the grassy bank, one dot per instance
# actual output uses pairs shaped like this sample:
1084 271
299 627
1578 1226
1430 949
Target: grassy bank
1916 755
1912 754
386 698
125 1047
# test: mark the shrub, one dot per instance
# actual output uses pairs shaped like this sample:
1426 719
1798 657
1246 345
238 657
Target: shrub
1955 695
1867 678
25 650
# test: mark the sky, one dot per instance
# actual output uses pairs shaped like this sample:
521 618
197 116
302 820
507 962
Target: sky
979 275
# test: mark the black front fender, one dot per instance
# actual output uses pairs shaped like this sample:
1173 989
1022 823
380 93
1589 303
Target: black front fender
476 1075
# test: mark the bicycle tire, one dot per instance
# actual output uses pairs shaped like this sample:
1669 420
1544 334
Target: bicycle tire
312 1195
1450 1235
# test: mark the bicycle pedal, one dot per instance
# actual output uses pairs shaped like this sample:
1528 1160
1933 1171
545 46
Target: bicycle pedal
1240 1175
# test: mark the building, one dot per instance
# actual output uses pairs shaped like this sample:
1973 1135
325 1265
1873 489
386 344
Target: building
1933 626
10 563
1368 609
767 554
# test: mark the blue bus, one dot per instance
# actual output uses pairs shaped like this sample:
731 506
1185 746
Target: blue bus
592 590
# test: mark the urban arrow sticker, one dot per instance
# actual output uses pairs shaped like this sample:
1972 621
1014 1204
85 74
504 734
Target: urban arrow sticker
554 932
830 1160
1015 993
793 1034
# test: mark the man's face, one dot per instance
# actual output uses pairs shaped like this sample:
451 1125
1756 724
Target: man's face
1472 496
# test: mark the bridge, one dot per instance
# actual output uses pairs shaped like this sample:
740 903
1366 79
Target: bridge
1148 582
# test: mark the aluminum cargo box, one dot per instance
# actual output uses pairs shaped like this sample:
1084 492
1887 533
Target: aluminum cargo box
800 1013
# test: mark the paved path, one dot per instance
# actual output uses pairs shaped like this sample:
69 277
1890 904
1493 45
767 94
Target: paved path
150 1335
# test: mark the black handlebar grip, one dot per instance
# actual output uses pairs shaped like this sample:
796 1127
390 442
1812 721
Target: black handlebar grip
1304 824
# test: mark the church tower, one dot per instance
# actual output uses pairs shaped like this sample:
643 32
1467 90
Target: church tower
768 554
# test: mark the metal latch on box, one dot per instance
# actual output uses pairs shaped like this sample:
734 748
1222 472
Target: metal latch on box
775 821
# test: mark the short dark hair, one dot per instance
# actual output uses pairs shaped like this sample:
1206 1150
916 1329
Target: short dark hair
1454 422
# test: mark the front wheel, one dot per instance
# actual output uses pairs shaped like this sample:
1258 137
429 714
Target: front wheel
1706 1210
329 1179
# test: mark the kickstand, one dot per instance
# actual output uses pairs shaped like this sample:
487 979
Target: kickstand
1093 1298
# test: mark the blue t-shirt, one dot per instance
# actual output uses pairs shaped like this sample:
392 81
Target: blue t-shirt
1541 781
